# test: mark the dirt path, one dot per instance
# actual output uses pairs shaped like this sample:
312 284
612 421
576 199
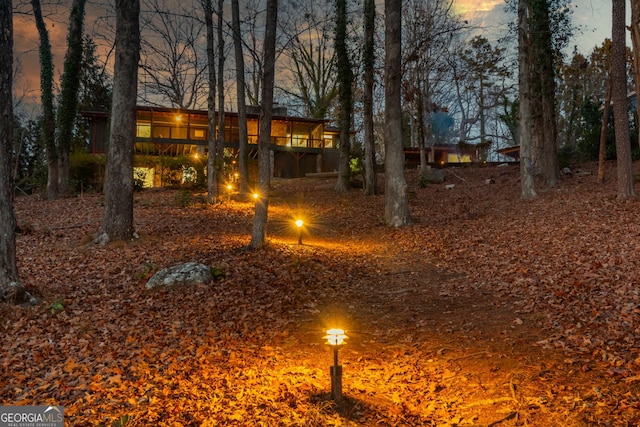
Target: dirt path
470 359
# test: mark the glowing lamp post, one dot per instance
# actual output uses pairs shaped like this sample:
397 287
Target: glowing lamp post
229 191
335 338
299 224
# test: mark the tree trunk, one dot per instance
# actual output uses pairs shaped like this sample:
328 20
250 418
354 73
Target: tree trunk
524 83
69 94
258 234
603 133
220 143
117 223
635 41
345 81
368 60
11 290
422 137
544 141
46 97
396 202
243 140
619 97
212 181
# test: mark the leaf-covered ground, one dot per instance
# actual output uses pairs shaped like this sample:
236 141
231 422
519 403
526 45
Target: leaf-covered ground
488 311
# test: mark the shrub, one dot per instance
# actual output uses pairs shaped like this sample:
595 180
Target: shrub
87 172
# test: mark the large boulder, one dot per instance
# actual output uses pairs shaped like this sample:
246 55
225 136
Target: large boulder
188 274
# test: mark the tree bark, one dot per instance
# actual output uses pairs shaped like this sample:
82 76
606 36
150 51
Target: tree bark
544 130
619 96
46 97
69 93
345 81
527 190
212 178
243 139
368 62
11 290
220 143
635 41
422 137
603 133
259 231
117 223
396 202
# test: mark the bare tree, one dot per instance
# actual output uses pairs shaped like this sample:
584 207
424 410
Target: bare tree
117 222
253 42
635 40
430 29
243 167
481 88
212 176
368 62
174 69
309 59
258 234
11 290
619 97
524 82
396 203
219 155
602 149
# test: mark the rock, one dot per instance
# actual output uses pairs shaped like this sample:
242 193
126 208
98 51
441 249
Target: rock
490 181
434 176
189 274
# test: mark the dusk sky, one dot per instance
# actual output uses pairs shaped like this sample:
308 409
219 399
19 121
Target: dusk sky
593 16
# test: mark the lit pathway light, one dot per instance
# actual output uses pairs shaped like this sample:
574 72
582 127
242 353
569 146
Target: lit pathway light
335 338
299 224
229 191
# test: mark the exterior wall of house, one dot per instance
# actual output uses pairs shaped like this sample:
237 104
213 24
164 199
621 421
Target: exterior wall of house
299 144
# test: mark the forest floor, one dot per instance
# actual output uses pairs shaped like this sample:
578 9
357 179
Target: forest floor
487 311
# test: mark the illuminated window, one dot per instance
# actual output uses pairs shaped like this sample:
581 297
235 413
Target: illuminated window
143 130
178 133
198 134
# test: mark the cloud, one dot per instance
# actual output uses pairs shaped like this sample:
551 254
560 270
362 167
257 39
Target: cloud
470 6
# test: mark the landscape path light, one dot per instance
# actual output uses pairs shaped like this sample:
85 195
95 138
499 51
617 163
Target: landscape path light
336 338
229 191
299 224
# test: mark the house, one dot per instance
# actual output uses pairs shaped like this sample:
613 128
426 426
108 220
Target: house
298 145
443 154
